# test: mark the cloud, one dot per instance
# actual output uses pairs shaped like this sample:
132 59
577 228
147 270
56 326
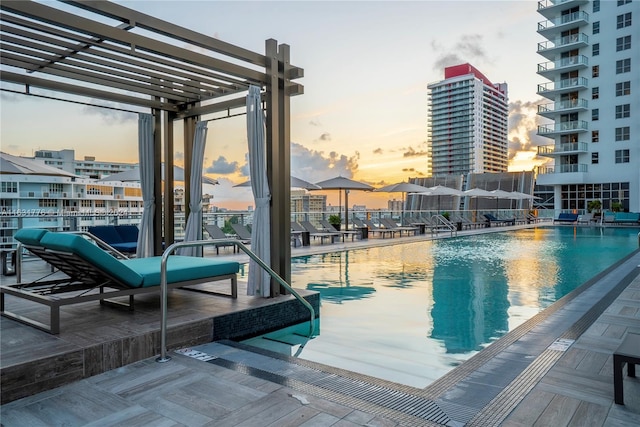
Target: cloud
523 127
110 116
222 166
411 152
315 122
468 48
314 166
325 137
378 151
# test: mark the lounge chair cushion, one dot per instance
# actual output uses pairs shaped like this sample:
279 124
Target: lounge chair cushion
30 236
179 268
78 245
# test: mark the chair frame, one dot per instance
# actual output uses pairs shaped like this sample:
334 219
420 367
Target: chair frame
86 282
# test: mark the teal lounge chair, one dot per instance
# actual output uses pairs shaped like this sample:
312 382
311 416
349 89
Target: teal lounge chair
95 275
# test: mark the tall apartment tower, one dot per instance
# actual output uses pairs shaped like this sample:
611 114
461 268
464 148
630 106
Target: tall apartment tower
468 123
592 52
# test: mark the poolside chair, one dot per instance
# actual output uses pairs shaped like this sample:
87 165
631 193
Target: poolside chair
566 217
95 275
391 225
124 238
216 233
491 219
242 232
344 233
315 233
373 228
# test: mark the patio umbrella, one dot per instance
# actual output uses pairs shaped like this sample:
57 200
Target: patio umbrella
477 193
133 175
501 194
440 190
401 187
295 183
343 183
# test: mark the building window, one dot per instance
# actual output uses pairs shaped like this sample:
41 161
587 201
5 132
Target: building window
595 93
595 114
622 156
623 43
595 136
595 49
623 133
594 158
623 2
623 88
623 20
596 6
8 187
595 71
596 27
623 111
623 66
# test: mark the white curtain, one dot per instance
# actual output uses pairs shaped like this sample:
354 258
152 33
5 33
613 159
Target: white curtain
258 279
146 155
193 229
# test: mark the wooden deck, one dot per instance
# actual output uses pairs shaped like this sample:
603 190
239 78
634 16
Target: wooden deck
555 370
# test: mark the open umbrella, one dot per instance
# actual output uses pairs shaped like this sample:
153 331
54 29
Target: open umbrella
346 184
501 194
295 183
475 193
401 187
440 190
134 175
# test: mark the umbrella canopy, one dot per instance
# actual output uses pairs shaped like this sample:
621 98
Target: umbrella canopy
134 175
15 165
402 187
523 196
479 192
440 190
295 183
343 183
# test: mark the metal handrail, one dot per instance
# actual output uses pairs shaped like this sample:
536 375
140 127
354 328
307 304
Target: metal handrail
435 219
200 243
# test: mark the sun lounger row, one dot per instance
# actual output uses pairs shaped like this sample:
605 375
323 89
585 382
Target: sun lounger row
95 275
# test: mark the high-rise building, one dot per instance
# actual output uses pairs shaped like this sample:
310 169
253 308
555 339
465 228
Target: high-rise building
592 52
468 123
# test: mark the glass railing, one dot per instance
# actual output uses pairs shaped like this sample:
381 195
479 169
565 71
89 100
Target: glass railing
563 20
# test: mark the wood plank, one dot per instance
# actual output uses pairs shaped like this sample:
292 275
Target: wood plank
558 413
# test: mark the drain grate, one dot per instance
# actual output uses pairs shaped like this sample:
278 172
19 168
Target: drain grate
289 374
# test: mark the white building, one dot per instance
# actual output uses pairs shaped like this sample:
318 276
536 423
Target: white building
468 123
592 62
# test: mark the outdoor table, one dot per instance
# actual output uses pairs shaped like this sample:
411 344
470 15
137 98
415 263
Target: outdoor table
628 352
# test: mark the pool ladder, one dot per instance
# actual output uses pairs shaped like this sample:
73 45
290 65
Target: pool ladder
439 222
199 244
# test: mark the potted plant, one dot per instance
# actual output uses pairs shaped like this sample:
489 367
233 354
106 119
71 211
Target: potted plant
446 215
335 220
594 206
616 206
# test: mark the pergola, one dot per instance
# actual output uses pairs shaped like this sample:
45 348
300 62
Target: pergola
100 50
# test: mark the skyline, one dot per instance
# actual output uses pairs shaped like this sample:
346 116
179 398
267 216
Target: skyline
364 111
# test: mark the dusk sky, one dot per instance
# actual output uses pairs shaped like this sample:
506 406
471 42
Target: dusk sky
364 111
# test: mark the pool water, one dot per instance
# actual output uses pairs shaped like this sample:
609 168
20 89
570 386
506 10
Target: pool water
411 312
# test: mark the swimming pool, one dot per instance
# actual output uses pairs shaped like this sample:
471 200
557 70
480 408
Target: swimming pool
411 312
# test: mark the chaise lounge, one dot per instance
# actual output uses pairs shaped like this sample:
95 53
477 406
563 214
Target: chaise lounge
95 275
566 217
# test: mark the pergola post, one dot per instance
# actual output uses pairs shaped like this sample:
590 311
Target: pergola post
169 231
157 182
278 165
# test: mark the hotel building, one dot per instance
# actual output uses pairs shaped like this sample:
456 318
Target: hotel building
468 123
592 64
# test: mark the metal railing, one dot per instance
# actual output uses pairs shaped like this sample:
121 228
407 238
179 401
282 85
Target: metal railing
439 221
201 243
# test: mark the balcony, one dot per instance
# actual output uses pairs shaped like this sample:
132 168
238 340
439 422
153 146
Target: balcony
551 89
564 65
554 26
562 174
550 48
551 110
551 8
563 149
563 128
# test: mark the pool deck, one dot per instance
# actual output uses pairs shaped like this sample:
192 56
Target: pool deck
555 369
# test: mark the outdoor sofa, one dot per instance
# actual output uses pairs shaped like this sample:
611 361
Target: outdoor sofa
95 275
632 218
121 237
